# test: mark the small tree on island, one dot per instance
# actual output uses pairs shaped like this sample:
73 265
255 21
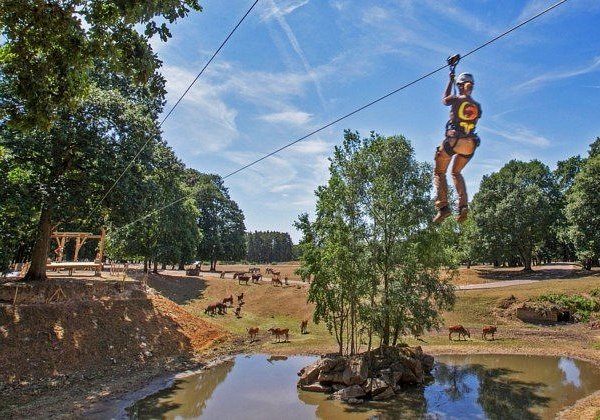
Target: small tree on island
380 269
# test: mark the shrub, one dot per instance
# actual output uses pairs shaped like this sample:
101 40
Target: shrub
580 306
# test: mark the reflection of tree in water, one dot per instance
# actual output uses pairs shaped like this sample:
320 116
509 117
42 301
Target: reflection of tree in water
503 398
499 396
454 378
188 397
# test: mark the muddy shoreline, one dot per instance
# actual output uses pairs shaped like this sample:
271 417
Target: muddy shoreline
117 405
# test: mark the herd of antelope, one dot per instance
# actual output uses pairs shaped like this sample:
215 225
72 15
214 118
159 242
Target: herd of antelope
278 333
464 333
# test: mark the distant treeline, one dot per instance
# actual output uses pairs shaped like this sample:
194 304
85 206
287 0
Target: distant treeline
266 247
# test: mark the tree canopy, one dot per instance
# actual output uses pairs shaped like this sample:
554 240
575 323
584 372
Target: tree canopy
377 264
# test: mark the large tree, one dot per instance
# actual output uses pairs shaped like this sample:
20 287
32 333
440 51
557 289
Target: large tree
583 202
515 209
51 47
221 220
78 86
378 266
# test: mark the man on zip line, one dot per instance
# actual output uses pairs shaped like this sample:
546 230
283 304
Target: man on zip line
460 143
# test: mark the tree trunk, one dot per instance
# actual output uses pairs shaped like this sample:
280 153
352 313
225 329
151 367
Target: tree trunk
39 254
181 265
155 267
163 266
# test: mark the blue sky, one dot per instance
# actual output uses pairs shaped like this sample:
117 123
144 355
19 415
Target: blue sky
296 65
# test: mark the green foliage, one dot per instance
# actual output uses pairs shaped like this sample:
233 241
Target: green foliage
595 292
269 247
515 209
582 212
577 304
220 220
51 49
375 262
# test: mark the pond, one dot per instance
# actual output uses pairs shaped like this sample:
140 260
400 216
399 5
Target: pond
475 386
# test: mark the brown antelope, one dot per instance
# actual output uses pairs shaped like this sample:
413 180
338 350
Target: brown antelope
243 279
276 282
211 309
240 298
228 300
280 332
256 277
238 273
462 332
252 332
304 327
489 329
222 275
238 311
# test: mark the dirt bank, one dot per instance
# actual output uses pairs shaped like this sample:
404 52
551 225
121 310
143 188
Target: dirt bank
80 352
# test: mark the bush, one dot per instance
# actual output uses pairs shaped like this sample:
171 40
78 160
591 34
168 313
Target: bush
580 306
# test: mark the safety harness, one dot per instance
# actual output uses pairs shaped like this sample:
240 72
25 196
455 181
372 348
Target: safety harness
451 125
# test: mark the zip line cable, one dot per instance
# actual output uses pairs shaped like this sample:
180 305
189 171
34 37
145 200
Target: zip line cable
172 109
381 98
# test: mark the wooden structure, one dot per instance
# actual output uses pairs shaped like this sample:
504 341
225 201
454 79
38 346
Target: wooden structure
70 266
80 237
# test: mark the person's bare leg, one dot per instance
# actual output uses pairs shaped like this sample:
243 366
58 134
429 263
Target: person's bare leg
442 161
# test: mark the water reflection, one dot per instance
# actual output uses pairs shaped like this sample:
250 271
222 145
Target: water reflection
479 387
570 370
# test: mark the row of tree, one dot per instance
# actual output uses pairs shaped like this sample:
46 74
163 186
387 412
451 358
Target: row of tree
266 247
80 97
527 213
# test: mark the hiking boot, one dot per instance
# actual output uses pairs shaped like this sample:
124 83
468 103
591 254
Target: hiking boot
442 214
463 212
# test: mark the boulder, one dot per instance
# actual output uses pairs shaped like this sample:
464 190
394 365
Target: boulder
309 374
316 387
375 386
356 371
386 394
354 391
427 362
335 377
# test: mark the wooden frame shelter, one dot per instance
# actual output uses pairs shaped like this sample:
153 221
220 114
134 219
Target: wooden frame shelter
80 237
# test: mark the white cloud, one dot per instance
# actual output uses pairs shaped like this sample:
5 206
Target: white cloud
518 134
551 77
278 12
289 117
375 15
311 147
281 7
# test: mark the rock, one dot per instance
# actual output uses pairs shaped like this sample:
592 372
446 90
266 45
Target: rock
309 374
375 386
427 362
336 377
356 371
387 376
316 387
329 364
353 391
354 401
386 394
408 377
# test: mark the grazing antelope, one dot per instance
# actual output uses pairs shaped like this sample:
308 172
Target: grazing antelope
255 270
238 311
269 270
222 275
276 282
221 308
244 279
280 332
489 329
252 332
240 298
462 332
228 300
211 309
256 277
304 327
238 273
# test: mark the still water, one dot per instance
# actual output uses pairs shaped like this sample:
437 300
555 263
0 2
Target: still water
474 387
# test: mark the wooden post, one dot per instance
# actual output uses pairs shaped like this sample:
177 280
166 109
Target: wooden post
101 246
